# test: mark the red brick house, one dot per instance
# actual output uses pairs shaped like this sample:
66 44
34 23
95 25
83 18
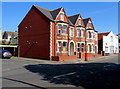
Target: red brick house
54 35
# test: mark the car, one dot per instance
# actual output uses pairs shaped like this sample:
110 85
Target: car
5 54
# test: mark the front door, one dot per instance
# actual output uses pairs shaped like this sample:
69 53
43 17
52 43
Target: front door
71 48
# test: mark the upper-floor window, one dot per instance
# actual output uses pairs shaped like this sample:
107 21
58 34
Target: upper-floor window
82 33
93 35
59 28
78 32
79 22
111 38
89 34
78 47
64 29
71 32
62 16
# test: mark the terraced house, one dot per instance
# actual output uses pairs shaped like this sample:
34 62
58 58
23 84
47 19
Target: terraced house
53 35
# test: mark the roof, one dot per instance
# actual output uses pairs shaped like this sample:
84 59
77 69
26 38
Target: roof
10 33
54 13
100 35
86 21
73 18
45 12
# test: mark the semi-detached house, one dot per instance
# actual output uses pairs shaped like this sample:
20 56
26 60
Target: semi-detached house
55 36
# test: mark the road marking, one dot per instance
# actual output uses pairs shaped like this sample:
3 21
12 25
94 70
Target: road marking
64 75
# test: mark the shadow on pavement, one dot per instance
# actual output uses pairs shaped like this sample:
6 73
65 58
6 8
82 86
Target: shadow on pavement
87 75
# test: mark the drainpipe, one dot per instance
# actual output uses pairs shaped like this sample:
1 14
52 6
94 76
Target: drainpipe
55 39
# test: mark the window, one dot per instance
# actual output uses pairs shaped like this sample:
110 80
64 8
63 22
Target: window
93 35
78 47
71 32
89 35
59 28
106 49
82 33
64 29
93 48
62 17
78 32
82 47
64 46
111 38
89 48
79 22
59 46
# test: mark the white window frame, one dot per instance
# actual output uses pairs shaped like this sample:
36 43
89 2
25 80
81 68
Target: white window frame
64 30
89 48
71 32
82 47
78 32
79 22
89 34
59 46
62 16
78 47
82 33
111 37
59 30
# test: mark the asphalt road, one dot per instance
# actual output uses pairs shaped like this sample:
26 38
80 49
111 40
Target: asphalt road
98 73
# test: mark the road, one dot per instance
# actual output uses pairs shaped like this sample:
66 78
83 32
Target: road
102 72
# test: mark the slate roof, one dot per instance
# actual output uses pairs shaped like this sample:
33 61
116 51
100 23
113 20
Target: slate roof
86 21
100 35
54 13
51 15
73 18
45 12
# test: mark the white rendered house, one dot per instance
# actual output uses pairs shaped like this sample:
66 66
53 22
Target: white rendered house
108 43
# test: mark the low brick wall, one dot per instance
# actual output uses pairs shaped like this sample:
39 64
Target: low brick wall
63 58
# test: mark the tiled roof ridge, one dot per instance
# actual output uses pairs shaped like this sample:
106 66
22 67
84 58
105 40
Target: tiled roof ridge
73 15
42 8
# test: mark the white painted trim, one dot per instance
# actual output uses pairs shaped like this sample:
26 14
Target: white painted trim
50 40
69 47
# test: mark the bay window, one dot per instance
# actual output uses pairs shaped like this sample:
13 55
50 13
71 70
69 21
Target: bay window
71 32
78 32
59 28
64 29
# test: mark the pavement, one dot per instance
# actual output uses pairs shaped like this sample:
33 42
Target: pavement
94 59
97 73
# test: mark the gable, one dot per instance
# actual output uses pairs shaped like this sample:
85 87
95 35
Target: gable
89 25
62 12
79 22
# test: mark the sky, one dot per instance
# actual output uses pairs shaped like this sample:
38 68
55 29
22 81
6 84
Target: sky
104 15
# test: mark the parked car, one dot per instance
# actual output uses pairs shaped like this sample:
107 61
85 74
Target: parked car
5 54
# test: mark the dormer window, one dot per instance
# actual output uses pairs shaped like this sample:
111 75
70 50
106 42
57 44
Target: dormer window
62 16
79 22
111 38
